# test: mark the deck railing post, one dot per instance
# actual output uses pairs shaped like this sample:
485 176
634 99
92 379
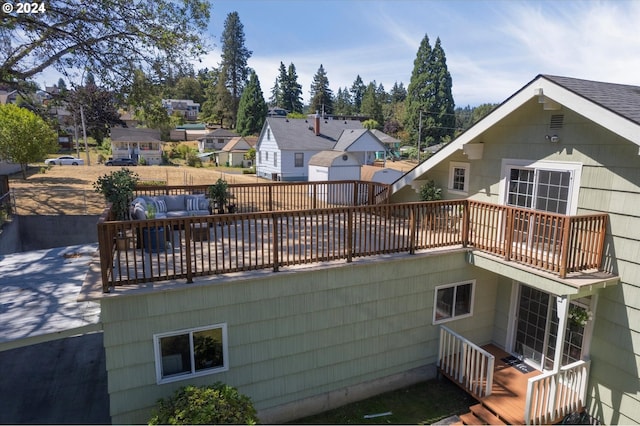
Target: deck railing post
564 251
509 227
275 245
187 236
349 242
412 229
465 223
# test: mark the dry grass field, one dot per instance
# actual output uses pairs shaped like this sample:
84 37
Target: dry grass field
69 189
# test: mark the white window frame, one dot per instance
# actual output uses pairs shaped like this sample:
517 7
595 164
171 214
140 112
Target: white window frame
275 159
295 159
453 165
186 376
455 286
562 166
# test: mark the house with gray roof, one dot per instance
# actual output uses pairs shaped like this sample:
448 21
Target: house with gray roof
285 145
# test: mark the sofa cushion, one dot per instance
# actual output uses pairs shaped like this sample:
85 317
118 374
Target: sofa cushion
192 203
174 202
161 206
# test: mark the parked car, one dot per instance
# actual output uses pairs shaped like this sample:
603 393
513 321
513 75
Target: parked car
121 162
64 160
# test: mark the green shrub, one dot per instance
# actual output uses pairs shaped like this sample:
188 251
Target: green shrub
430 192
216 404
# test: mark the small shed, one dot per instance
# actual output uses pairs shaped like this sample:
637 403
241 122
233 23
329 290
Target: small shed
380 175
333 165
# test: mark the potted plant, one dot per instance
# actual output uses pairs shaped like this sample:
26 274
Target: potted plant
220 195
117 188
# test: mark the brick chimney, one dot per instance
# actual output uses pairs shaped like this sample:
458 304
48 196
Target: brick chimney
316 126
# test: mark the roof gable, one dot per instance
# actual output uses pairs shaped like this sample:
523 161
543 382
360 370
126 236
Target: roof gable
615 107
358 140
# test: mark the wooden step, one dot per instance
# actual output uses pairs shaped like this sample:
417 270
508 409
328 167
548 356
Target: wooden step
470 419
486 415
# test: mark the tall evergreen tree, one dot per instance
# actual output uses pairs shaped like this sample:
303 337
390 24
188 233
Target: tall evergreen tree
276 94
398 93
343 105
321 95
357 92
429 102
371 106
281 83
252 110
292 92
234 61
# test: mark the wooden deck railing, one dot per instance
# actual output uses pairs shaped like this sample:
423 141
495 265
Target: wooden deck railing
278 196
551 396
466 363
217 244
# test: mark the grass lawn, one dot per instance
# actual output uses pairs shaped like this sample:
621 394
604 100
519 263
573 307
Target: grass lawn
424 403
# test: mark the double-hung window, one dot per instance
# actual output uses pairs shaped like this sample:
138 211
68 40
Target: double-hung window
459 177
299 159
190 353
453 301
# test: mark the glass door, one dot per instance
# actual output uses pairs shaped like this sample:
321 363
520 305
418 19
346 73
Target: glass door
532 324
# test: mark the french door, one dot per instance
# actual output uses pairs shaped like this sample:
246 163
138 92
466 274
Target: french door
537 328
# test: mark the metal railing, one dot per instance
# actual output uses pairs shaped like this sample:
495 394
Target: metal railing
553 395
466 363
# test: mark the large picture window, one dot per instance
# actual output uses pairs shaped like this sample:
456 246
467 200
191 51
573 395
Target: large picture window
190 353
453 301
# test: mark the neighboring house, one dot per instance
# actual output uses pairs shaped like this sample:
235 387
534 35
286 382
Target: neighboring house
312 337
215 140
380 174
232 154
277 112
7 168
136 144
8 97
392 145
285 146
184 107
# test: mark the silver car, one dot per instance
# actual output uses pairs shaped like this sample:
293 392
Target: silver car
65 160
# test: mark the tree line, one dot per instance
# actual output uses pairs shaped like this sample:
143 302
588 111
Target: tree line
114 68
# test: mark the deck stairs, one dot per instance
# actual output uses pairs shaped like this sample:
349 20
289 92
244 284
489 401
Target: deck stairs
479 414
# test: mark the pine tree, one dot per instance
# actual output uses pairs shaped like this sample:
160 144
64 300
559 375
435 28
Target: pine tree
282 84
357 91
343 105
398 93
275 94
371 106
252 109
293 91
234 62
321 95
429 102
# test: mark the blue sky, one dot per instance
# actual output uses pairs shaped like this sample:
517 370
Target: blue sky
493 48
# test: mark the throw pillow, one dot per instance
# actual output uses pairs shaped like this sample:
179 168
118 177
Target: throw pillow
161 206
192 204
203 204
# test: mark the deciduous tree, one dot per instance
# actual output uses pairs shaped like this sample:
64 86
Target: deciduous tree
109 37
24 137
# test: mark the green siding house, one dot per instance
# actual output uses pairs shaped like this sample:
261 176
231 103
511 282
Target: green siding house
316 336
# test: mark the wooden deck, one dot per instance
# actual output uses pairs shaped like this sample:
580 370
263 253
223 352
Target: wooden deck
506 404
509 391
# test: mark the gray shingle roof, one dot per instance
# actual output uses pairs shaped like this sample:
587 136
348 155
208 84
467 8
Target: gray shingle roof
347 138
621 99
298 133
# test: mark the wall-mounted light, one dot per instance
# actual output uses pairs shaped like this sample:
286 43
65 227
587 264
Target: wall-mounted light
552 138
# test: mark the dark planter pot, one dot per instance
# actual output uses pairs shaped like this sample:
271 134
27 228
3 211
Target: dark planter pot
153 239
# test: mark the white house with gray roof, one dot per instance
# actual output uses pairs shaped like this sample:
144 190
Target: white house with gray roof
285 145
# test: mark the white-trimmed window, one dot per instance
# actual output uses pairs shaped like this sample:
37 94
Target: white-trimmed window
453 301
299 159
459 177
543 185
190 353
275 159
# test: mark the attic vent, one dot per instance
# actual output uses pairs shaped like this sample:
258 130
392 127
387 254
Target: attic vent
556 122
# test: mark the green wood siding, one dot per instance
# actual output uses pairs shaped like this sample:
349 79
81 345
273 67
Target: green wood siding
293 335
